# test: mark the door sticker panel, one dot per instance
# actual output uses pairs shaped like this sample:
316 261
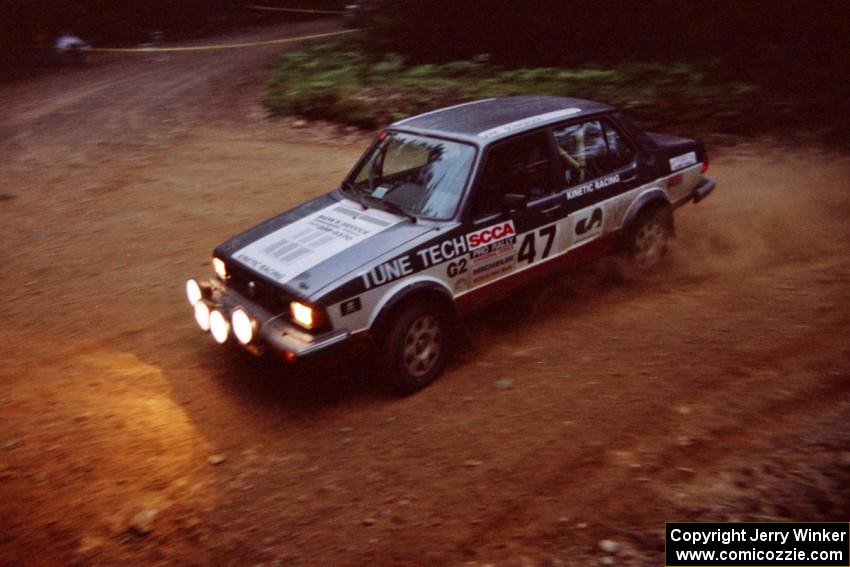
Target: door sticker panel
587 224
492 252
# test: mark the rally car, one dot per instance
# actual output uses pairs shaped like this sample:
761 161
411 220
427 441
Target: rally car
446 212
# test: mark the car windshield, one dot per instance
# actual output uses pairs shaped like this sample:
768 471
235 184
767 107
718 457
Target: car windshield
419 176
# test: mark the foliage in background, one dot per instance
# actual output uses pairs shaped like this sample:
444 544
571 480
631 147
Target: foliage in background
779 66
339 82
753 37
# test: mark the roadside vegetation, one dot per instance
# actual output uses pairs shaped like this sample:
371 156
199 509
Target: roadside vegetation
339 82
733 72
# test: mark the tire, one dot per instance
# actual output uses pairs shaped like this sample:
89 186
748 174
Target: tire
648 239
415 348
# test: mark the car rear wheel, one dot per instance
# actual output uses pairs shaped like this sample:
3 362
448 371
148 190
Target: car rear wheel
649 238
415 349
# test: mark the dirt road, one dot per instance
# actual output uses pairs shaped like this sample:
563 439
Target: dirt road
717 389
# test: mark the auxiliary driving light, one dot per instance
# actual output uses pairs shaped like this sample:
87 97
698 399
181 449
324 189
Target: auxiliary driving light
302 314
219 327
202 315
244 328
193 291
219 268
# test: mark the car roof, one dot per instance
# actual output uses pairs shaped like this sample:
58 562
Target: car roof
484 121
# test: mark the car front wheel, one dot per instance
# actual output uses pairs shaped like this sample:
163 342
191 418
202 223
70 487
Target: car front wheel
415 348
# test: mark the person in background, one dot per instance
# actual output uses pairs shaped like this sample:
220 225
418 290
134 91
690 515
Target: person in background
70 49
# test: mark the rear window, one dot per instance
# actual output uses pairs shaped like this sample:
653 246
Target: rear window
591 149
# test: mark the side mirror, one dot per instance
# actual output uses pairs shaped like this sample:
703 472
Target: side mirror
514 201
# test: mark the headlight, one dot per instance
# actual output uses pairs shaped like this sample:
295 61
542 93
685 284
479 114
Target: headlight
244 328
219 268
302 314
219 327
202 315
193 291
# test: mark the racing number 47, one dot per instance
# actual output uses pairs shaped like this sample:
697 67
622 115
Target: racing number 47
528 247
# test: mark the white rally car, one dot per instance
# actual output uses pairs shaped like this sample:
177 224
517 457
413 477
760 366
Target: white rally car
446 212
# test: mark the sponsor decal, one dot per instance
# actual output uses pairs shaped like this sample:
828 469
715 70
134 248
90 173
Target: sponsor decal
415 261
388 271
592 186
588 223
492 251
445 250
527 122
454 269
350 306
683 160
297 247
493 267
492 233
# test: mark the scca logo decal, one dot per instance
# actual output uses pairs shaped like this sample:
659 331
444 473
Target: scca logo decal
490 234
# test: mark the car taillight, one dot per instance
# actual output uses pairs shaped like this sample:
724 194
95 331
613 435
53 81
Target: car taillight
704 166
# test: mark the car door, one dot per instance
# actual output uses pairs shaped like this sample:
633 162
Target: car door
597 167
513 222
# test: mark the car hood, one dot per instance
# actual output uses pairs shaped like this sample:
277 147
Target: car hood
314 245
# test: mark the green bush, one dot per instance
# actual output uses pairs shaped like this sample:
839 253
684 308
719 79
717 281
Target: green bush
339 82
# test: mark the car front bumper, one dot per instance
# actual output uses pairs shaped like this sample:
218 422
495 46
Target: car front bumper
273 332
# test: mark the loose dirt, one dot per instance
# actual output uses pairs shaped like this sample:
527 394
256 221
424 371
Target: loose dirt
716 389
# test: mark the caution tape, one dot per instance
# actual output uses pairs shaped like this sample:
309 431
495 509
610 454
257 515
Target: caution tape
222 46
296 10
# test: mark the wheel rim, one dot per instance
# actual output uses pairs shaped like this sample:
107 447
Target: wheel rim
422 345
650 241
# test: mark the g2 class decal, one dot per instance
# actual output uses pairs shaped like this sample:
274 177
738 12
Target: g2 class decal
455 269
683 160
